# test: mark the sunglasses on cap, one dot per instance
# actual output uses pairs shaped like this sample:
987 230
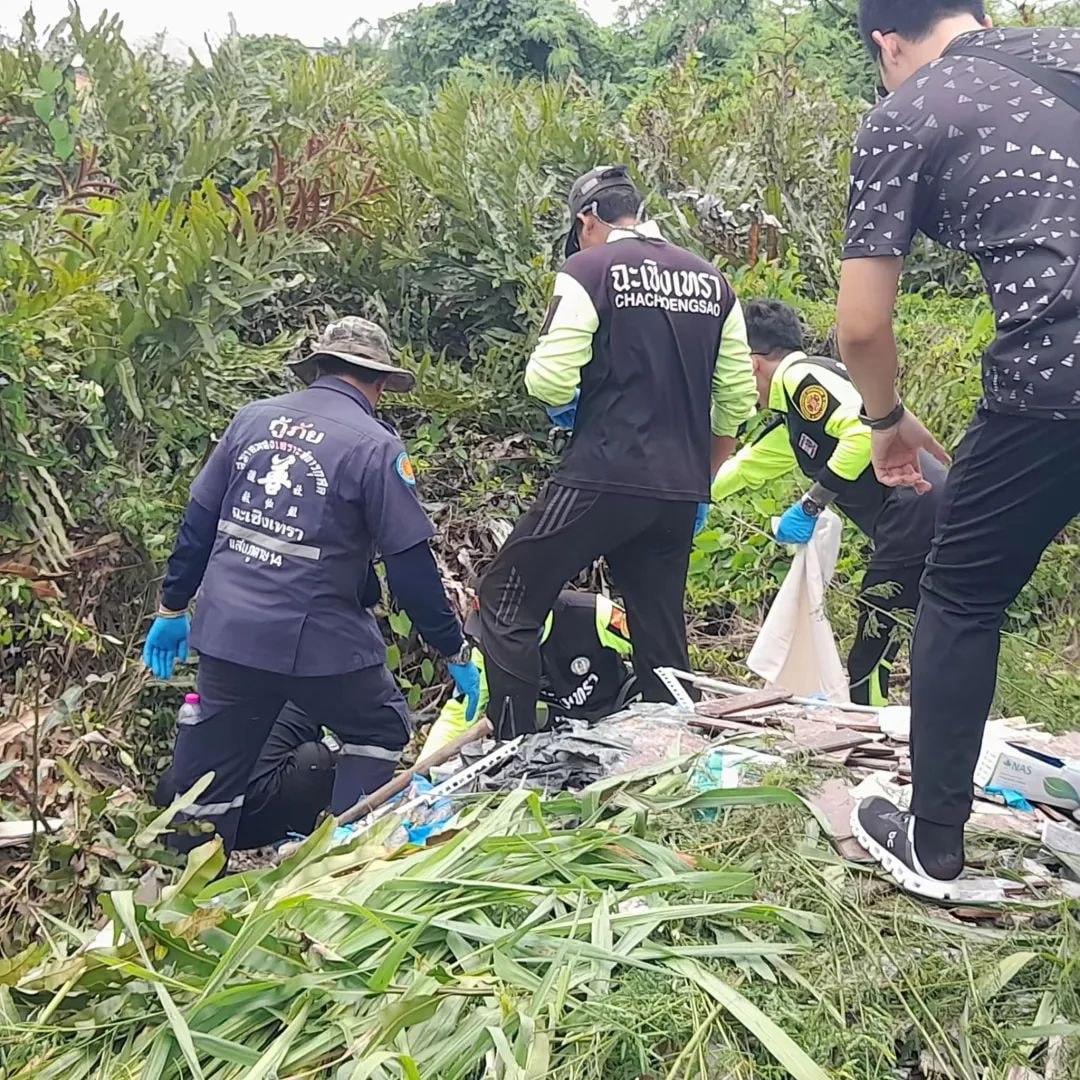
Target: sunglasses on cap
584 194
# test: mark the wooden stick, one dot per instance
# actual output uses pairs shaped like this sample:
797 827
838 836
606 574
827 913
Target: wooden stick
705 723
480 730
738 703
704 682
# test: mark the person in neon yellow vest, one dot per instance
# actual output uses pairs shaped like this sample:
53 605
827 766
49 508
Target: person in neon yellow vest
584 649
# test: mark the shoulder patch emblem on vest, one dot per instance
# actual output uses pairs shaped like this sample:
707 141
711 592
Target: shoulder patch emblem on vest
813 402
404 468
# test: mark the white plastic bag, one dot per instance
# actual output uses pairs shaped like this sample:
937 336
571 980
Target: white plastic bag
796 649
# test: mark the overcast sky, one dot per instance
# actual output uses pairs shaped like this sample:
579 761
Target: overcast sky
312 21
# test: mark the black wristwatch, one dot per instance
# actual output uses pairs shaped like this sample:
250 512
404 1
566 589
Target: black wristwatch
811 507
883 423
463 655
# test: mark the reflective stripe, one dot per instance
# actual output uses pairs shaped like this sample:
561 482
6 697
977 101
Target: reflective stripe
609 638
213 809
364 750
510 597
284 547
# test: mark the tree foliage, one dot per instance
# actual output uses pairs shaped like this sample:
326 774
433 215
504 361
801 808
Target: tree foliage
168 231
521 37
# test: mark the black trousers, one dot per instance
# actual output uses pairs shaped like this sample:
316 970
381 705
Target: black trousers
364 709
290 786
888 594
647 545
1014 486
292 782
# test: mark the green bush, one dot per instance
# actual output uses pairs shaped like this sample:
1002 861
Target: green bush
168 232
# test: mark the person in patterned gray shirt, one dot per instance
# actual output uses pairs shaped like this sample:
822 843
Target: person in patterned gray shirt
978 147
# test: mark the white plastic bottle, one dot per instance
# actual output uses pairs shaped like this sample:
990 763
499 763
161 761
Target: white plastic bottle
190 712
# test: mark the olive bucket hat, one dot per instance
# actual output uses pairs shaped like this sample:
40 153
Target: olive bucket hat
360 342
585 191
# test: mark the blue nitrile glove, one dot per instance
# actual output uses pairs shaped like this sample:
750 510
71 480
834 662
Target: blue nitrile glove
1012 798
796 526
565 416
467 680
702 517
165 644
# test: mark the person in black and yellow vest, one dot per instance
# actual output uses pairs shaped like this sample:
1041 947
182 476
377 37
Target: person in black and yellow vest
817 428
584 649
585 656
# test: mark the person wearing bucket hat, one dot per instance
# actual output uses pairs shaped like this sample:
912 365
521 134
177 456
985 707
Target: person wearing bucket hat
285 522
358 346
644 354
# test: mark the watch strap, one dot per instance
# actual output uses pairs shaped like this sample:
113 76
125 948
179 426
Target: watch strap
463 655
883 423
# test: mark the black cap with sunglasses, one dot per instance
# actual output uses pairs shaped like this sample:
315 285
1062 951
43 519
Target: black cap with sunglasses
586 191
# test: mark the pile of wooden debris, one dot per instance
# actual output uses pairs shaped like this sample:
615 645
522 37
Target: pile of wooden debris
870 752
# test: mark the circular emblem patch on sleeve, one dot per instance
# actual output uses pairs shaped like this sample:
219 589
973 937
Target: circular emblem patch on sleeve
813 402
404 468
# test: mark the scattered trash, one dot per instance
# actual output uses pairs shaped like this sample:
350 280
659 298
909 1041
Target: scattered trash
427 818
895 722
1010 798
655 733
873 747
835 801
13 833
724 769
1064 842
575 754
1041 777
552 761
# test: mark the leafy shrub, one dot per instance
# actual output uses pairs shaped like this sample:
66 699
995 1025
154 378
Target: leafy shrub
169 231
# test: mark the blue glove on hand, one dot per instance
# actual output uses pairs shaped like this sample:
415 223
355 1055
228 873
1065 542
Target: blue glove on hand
565 416
165 644
796 526
702 517
467 680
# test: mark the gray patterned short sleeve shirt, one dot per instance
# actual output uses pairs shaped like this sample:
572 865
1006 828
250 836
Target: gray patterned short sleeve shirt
979 158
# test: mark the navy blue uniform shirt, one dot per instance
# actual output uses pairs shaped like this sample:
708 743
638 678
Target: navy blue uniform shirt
307 489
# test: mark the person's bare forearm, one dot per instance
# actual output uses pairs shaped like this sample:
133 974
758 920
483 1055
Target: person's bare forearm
723 446
871 362
864 314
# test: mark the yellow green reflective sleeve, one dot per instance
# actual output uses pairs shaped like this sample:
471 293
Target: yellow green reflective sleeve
734 392
756 464
786 380
553 373
851 458
610 638
451 721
